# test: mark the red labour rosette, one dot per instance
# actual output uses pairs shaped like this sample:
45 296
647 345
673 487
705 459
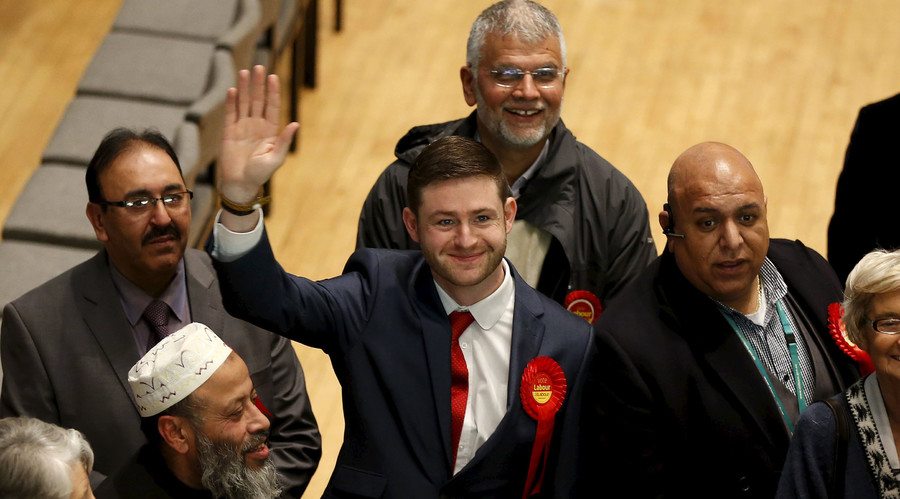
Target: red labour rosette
584 304
838 331
543 391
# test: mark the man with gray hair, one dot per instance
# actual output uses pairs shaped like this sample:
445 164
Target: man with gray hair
582 230
206 427
40 460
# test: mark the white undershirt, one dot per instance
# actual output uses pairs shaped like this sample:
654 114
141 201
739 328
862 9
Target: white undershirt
486 345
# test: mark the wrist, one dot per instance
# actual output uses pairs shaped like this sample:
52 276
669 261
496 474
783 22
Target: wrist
243 208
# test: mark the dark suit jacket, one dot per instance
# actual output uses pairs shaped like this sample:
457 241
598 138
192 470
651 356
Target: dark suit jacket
66 349
388 337
683 409
864 206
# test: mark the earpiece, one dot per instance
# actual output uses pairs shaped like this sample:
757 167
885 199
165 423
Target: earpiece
670 230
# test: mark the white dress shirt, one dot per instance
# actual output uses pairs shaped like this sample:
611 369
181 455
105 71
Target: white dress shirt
486 345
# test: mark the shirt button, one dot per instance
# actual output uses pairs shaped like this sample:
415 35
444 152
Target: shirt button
464 345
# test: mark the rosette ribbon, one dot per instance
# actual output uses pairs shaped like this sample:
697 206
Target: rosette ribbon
838 331
542 392
584 304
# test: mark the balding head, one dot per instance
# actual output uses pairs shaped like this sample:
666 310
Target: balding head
717 202
708 161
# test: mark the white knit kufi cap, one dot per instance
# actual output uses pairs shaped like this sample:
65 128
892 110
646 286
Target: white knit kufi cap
175 367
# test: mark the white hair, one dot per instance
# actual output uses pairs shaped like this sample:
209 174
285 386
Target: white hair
36 458
526 20
877 273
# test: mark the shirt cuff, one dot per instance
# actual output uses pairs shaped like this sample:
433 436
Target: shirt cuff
228 246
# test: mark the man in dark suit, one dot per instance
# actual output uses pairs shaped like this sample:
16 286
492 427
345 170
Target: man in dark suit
863 215
708 358
67 345
486 403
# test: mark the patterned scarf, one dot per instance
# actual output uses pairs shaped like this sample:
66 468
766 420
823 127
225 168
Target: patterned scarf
879 465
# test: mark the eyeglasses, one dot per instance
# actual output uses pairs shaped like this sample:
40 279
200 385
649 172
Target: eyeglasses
542 77
173 201
886 326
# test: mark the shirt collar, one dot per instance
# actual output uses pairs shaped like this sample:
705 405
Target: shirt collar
772 283
489 310
135 300
520 182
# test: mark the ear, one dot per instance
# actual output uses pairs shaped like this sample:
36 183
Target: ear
411 224
176 432
565 77
664 219
95 214
509 212
468 84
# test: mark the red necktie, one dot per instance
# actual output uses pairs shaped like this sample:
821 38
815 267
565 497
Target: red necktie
459 377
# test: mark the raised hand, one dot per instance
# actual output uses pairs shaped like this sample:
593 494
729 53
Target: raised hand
252 147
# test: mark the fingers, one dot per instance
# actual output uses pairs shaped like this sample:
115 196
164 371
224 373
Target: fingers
243 97
258 102
273 100
283 142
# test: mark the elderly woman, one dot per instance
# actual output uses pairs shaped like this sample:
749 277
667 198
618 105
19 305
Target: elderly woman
868 465
39 460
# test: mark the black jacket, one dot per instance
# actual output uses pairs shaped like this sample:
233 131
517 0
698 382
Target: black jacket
864 205
683 409
598 219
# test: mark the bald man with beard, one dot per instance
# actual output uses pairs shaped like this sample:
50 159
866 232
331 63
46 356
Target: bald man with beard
698 386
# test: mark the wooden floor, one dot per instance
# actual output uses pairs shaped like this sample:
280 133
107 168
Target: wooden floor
781 80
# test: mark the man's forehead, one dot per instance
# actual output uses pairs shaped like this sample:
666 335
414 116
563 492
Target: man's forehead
134 166
700 199
231 375
459 191
498 47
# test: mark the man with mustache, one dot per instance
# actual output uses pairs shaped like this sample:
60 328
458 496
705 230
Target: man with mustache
582 230
67 346
206 428
707 359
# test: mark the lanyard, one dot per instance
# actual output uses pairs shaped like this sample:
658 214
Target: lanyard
795 362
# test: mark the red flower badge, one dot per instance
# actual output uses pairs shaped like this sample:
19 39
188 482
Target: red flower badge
584 304
542 392
838 331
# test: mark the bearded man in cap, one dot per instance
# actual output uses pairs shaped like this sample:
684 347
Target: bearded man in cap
207 429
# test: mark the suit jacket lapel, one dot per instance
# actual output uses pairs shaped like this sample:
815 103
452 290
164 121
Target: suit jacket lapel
713 340
202 292
527 335
436 340
101 309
